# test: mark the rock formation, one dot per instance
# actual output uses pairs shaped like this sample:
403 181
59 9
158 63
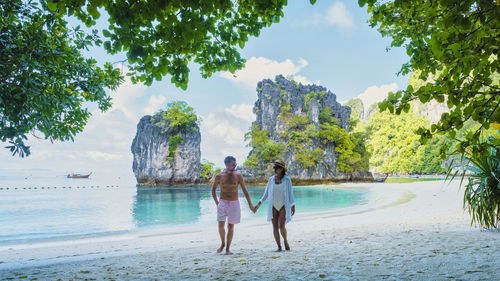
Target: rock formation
152 165
280 98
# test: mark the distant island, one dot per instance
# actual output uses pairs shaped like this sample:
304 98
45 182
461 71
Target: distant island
320 140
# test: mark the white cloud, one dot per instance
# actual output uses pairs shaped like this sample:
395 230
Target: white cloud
126 96
258 68
99 155
338 15
222 128
242 111
223 134
375 94
155 103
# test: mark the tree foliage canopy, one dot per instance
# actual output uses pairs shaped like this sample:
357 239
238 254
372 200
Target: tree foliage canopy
44 79
455 42
162 37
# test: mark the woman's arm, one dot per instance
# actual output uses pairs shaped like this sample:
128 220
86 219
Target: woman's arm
266 191
291 198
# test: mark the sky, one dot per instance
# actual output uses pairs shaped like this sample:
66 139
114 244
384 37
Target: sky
329 43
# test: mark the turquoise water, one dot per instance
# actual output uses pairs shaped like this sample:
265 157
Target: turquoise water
61 207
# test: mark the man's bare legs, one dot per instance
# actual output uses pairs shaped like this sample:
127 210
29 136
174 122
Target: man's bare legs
230 231
222 233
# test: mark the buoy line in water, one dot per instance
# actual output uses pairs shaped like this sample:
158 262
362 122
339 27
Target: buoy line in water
55 187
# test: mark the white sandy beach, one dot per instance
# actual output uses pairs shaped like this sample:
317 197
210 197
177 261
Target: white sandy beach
420 233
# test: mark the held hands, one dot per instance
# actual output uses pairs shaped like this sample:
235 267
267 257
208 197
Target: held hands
254 209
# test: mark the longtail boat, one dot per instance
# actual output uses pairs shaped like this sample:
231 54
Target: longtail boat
79 176
377 179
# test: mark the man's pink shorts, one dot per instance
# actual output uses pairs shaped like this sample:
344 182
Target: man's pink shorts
229 209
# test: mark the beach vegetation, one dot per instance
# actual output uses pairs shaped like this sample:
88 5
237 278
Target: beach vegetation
457 66
45 81
482 189
394 145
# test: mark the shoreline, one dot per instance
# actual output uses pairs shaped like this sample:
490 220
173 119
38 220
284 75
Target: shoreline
254 181
425 237
111 235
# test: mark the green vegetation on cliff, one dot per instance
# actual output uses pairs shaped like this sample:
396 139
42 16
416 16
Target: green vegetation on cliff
208 169
395 147
177 118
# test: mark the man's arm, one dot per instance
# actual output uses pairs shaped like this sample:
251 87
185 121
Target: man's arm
245 191
214 189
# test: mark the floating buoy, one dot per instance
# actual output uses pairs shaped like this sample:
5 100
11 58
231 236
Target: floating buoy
42 187
34 187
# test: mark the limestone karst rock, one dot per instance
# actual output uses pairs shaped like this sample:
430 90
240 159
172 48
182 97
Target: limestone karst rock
150 150
299 101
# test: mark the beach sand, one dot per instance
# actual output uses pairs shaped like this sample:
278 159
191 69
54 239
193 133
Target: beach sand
421 233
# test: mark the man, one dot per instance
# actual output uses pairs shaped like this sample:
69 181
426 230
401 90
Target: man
229 206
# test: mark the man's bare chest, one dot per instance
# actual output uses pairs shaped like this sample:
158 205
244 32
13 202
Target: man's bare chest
229 181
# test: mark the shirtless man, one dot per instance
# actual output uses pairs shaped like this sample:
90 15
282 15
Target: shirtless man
229 206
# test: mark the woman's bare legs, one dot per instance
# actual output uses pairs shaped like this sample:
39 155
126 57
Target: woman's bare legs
281 224
276 229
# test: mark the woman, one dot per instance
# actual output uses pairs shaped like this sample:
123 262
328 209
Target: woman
281 203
